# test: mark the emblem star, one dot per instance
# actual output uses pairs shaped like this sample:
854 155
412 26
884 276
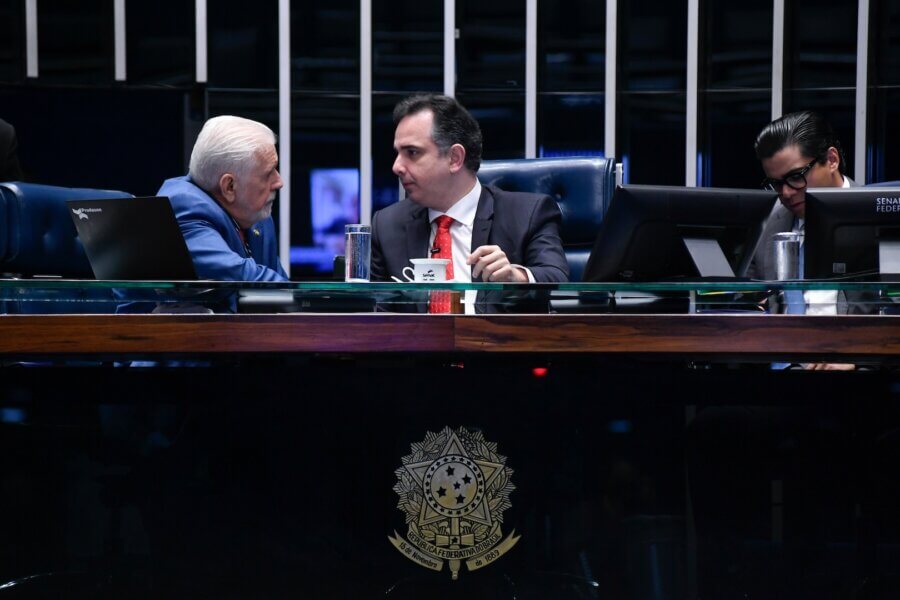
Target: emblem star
467 480
460 499
441 492
450 471
456 485
454 447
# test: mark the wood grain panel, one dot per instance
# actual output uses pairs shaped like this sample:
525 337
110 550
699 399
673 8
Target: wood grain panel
683 334
738 335
110 334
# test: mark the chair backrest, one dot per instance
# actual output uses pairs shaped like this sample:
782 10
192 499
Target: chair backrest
886 184
583 188
37 236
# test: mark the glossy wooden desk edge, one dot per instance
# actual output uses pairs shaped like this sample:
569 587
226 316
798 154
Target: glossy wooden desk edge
758 335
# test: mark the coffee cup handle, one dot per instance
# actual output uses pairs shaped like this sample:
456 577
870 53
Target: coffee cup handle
409 276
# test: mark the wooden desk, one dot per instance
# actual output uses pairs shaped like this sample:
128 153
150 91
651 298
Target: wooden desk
741 336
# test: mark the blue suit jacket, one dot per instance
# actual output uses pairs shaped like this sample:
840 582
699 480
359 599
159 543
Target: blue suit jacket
525 226
213 240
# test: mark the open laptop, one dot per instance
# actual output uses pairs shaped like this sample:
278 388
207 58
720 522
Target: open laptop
132 239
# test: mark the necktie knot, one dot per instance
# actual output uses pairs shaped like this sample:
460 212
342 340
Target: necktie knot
444 222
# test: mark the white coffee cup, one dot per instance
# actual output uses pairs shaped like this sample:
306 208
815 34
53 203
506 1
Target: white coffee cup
427 270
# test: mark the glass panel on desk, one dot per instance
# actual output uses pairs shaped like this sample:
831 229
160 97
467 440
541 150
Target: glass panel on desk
54 296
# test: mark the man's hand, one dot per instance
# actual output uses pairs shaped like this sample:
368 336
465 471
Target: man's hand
492 265
829 367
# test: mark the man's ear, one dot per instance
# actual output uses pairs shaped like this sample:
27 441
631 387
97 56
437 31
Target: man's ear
226 187
457 157
833 159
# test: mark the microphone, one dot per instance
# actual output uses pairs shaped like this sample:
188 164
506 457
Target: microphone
434 251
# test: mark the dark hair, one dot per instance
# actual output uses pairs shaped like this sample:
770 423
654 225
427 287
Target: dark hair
452 124
808 130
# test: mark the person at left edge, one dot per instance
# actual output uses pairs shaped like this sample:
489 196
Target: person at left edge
10 170
224 205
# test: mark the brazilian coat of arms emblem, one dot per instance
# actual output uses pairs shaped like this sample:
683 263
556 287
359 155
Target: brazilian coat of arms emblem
454 488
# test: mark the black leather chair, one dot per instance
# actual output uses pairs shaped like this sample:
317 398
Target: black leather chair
583 188
37 237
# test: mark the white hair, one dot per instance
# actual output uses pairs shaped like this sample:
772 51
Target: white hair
227 144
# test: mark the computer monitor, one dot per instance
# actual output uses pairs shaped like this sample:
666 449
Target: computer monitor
655 233
852 233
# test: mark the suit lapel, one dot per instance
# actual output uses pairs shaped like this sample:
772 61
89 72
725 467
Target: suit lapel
484 218
417 230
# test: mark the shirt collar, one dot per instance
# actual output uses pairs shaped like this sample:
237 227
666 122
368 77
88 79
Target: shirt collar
464 210
846 183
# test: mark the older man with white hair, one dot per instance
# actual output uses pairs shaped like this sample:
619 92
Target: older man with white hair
224 204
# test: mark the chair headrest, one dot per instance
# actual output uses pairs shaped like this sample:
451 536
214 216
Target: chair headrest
40 238
582 187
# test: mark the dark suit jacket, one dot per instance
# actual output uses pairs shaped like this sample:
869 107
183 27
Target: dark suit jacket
763 265
525 226
779 221
10 170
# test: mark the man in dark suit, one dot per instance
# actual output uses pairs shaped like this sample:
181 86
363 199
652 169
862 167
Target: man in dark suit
496 236
10 170
800 151
797 151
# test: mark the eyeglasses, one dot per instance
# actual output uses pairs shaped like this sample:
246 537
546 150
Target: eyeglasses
795 180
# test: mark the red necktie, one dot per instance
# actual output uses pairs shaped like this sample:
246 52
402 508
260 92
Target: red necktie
439 302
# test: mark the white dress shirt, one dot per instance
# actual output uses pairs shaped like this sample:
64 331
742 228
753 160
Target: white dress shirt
463 215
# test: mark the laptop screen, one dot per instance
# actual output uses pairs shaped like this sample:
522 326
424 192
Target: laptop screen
132 239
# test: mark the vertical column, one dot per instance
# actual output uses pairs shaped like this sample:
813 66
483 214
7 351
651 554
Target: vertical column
609 143
119 26
284 131
31 39
200 49
531 10
449 48
365 111
777 59
862 92
693 55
